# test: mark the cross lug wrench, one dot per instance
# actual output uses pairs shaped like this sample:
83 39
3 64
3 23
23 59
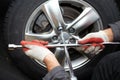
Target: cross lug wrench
14 46
72 76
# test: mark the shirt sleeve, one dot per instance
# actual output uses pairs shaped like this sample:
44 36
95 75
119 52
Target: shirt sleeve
58 73
116 30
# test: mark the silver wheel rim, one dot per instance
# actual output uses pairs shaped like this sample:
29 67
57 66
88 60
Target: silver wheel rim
52 16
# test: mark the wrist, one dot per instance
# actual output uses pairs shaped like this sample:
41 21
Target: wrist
51 62
109 34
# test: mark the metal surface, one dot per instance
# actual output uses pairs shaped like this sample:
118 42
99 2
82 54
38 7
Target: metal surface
87 17
74 15
72 76
77 45
14 46
62 45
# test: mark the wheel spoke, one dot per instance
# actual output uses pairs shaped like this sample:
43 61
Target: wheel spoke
44 36
87 17
52 11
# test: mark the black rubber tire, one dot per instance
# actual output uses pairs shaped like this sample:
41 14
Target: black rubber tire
17 16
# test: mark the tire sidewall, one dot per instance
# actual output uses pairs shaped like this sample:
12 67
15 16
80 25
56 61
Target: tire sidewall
15 30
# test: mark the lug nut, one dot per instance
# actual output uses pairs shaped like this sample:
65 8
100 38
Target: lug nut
71 30
55 38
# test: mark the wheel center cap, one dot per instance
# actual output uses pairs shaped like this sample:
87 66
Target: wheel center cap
66 36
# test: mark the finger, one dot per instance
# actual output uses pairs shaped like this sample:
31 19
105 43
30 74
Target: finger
30 43
102 46
22 42
90 40
82 48
30 46
26 42
91 48
41 42
97 48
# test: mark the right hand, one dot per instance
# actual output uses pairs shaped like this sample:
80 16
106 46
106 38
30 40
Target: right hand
94 39
36 49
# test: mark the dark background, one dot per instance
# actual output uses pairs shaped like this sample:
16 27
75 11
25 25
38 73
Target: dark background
7 69
4 5
6 66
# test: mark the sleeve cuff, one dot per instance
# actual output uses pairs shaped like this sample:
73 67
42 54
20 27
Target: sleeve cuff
53 72
116 31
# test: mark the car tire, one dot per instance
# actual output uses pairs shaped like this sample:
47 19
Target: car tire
14 31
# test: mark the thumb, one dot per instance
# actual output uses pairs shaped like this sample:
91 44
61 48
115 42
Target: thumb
82 41
85 39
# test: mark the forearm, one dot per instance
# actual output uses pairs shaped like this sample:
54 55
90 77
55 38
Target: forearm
56 72
51 62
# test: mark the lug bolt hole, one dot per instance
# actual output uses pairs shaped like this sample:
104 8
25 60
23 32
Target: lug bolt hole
72 40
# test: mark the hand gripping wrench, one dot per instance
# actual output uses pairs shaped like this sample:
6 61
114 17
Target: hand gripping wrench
14 46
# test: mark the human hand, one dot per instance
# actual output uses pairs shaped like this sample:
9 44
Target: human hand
36 49
94 39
